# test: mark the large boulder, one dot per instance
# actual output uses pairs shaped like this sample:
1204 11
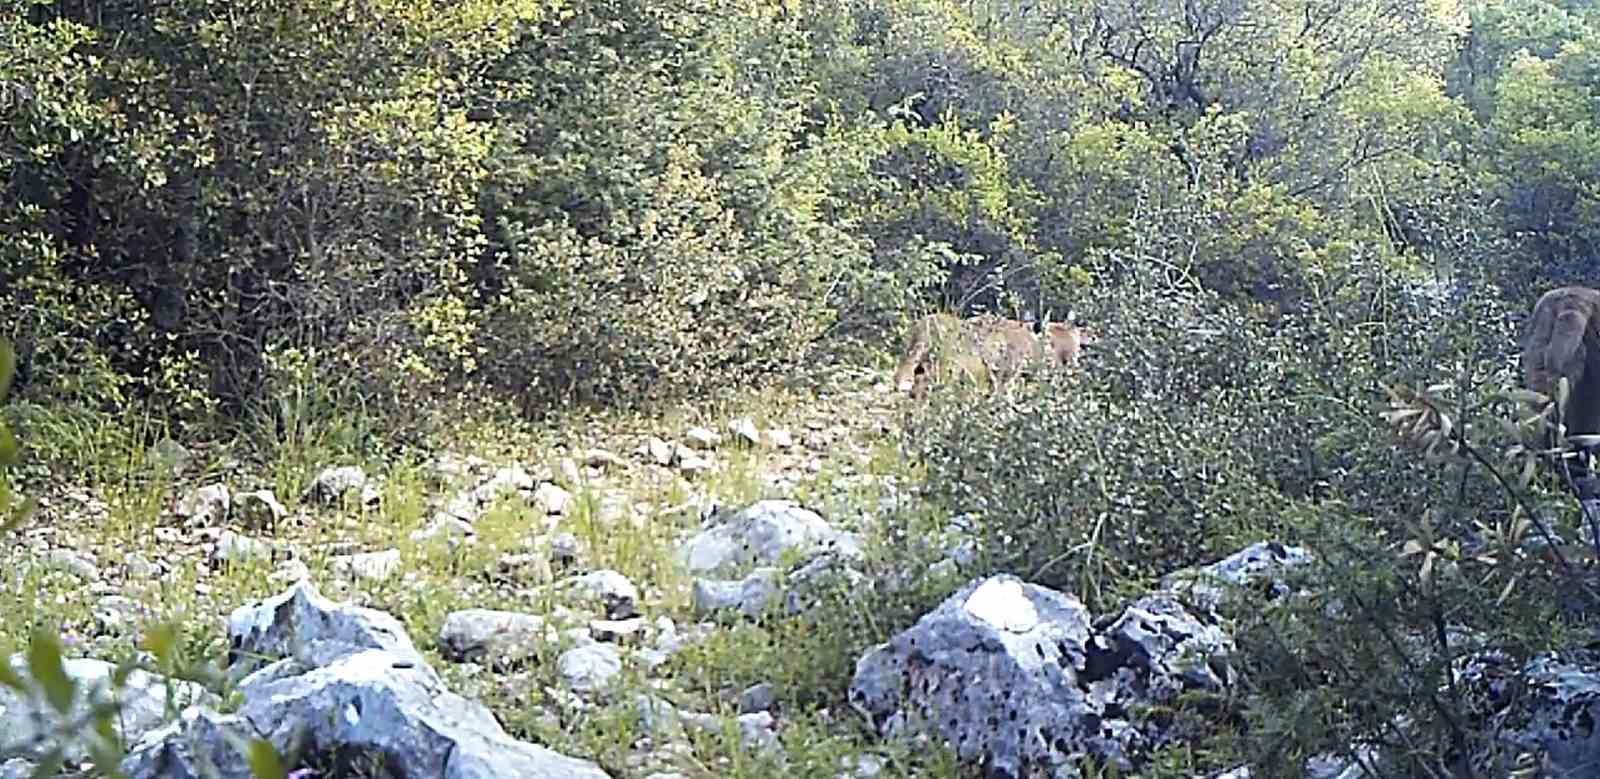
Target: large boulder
344 686
997 651
1014 677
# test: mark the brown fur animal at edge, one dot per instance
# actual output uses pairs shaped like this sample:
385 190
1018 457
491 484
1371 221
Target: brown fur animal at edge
987 350
1564 341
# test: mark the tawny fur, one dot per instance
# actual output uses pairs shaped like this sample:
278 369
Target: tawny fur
987 350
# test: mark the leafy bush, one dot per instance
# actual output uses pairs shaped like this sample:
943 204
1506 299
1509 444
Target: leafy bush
1193 426
685 240
1367 662
10 514
1136 465
1197 427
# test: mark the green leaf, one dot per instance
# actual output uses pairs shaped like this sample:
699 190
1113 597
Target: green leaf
264 760
8 366
162 641
124 669
46 667
8 447
50 766
12 517
9 678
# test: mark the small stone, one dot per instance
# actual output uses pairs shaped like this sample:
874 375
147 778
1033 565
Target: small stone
866 766
73 562
665 628
552 499
578 636
512 478
614 591
452 530
259 509
780 439
589 668
760 533
655 714
744 430
702 721
464 506
694 464
372 566
757 731
616 631
205 506
702 438
660 452
757 697
751 596
648 658
500 638
137 567
17 768
235 548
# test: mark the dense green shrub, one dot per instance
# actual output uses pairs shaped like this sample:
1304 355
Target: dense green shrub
1196 420
623 201
663 229
1197 427
299 176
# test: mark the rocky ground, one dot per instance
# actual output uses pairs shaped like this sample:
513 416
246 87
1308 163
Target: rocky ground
751 591
558 576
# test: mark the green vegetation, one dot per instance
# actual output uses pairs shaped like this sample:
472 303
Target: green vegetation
313 232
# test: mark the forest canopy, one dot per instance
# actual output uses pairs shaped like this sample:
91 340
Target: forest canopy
615 202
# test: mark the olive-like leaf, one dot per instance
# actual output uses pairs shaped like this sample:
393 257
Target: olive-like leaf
10 678
1531 397
8 366
50 765
8 447
1511 584
265 763
47 668
161 640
